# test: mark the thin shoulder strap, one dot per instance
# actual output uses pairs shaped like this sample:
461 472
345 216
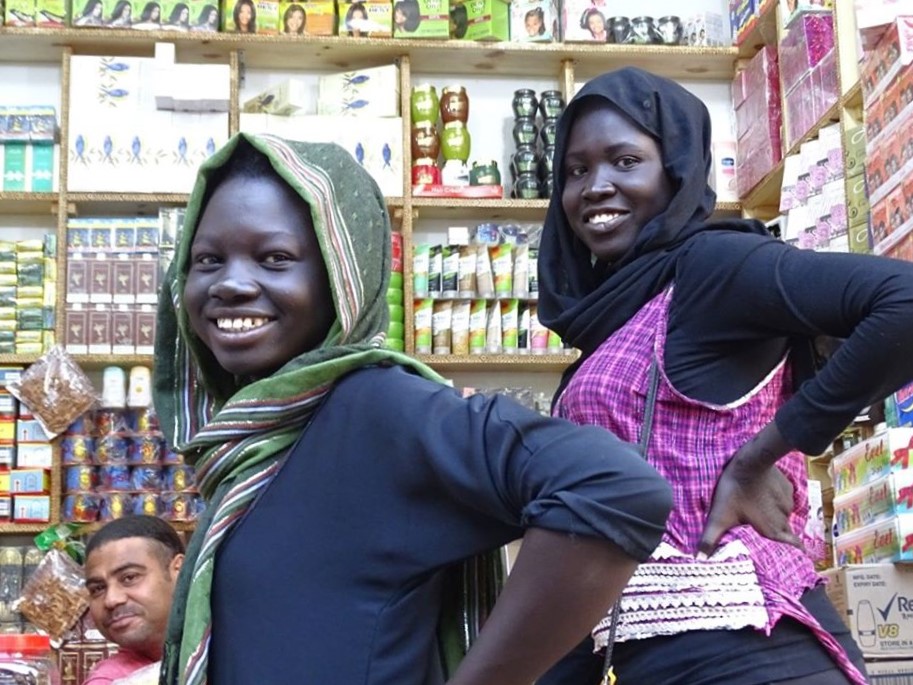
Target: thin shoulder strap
608 677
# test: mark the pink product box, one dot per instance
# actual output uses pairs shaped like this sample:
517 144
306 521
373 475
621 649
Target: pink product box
827 81
893 50
806 43
761 108
802 110
758 153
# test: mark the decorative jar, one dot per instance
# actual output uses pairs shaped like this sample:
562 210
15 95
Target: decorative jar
424 103
524 103
454 104
455 141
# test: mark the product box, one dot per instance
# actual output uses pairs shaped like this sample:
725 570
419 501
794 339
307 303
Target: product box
534 21
421 19
480 19
372 92
860 238
250 16
583 22
31 508
366 19
19 13
34 455
875 501
30 481
893 53
892 672
876 602
319 17
854 150
52 14
283 99
871 459
888 540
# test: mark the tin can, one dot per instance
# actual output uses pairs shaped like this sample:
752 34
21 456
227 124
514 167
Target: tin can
178 506
80 507
80 478
145 449
77 449
147 504
83 425
110 422
111 449
425 172
114 505
146 478
169 456
144 420
179 478
114 477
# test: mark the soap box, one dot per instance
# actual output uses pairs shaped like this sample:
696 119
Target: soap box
871 459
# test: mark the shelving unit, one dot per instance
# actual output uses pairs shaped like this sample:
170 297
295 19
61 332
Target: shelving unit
563 63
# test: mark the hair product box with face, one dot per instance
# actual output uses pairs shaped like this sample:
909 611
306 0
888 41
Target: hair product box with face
366 19
480 20
52 14
19 13
533 21
421 19
584 22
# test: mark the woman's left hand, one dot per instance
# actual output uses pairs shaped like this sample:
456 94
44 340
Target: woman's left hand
750 492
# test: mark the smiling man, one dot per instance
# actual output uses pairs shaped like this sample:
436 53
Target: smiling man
131 567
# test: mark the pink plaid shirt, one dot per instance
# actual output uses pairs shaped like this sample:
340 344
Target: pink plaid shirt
750 580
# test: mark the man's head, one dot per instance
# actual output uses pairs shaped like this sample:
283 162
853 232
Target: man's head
131 569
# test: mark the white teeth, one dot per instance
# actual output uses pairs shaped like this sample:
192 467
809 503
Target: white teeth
245 324
603 218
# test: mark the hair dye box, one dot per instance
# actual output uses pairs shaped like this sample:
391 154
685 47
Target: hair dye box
366 19
250 16
481 19
876 603
534 21
52 14
320 16
421 19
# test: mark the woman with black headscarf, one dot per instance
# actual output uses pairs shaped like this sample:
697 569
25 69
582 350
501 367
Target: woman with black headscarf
696 341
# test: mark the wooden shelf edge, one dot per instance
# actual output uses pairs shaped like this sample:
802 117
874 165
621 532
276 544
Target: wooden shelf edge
764 32
13 528
852 97
486 362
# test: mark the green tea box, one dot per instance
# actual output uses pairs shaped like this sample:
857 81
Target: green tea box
14 167
19 13
366 19
41 168
421 19
52 14
481 20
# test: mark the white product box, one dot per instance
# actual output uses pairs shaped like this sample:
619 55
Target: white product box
283 99
892 672
376 143
371 92
876 602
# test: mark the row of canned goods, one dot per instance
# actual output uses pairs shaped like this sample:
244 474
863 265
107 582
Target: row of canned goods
101 422
88 507
136 449
121 477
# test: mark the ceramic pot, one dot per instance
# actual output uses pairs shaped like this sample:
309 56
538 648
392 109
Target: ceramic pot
523 161
425 141
485 174
544 166
425 171
549 132
525 131
643 32
551 104
424 103
455 141
526 187
524 103
454 104
670 30
620 29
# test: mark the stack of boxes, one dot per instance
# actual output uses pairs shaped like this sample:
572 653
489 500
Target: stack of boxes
28 292
887 89
859 234
396 331
358 109
25 459
756 98
808 72
113 275
813 196
28 154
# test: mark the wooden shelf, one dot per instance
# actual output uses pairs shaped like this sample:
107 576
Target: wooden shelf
89 528
342 52
852 97
507 362
23 528
458 208
99 361
28 203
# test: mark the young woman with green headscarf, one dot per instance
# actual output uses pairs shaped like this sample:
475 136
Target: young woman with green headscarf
342 479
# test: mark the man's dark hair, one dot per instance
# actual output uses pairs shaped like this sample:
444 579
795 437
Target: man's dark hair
148 527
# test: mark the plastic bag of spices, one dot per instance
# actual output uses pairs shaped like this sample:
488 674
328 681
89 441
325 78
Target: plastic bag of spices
55 390
55 596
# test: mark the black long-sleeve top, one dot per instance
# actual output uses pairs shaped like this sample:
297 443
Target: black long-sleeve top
741 300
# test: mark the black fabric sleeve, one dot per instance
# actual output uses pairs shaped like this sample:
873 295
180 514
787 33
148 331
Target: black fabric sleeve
738 302
501 460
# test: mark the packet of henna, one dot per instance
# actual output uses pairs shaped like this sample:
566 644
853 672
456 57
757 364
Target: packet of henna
55 390
55 596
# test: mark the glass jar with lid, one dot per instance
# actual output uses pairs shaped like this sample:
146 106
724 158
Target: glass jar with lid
27 658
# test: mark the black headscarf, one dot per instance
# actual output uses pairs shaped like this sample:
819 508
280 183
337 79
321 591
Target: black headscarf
586 301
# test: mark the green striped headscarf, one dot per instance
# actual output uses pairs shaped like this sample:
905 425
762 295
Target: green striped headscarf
236 434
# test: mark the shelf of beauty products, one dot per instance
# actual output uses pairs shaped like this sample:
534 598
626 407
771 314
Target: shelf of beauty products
342 52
